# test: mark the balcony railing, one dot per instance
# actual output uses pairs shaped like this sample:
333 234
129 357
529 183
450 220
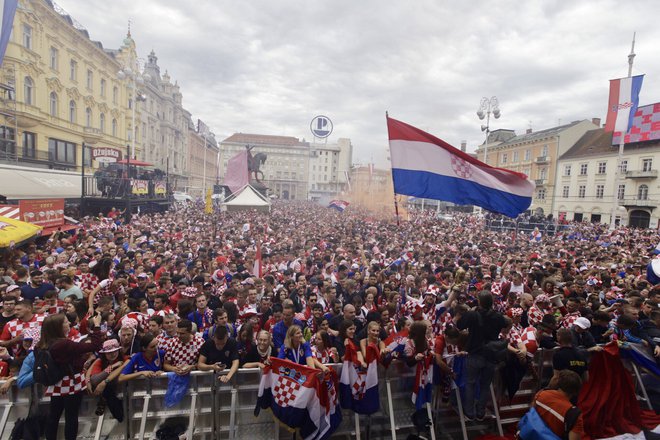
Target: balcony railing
641 174
541 182
642 203
542 159
39 158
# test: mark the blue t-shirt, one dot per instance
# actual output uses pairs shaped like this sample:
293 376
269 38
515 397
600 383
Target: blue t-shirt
299 357
139 363
32 293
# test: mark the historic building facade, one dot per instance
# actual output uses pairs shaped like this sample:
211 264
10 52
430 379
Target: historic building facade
330 167
202 161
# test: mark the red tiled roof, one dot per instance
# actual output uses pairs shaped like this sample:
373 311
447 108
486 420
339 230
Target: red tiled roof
263 139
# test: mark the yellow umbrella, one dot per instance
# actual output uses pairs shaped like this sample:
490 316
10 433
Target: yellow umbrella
15 232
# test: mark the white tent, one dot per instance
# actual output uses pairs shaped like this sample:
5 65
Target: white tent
247 198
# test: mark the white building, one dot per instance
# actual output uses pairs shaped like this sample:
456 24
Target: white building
586 181
329 169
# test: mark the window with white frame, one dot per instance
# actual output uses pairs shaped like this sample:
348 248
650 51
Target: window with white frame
621 192
567 170
102 122
53 104
582 191
503 157
600 191
543 173
565 191
643 192
583 169
647 164
54 58
602 167
73 70
103 87
540 194
72 111
27 36
90 80
528 155
28 90
544 151
515 157
88 117
623 167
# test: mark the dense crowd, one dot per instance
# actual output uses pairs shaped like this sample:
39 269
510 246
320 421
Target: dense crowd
182 290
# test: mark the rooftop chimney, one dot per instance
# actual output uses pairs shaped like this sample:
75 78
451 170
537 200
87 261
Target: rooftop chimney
529 131
596 121
463 146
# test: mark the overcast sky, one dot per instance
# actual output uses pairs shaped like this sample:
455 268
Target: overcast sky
268 67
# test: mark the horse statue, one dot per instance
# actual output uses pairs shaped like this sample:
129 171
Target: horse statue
255 163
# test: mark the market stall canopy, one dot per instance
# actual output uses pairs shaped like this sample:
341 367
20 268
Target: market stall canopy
247 198
29 183
15 232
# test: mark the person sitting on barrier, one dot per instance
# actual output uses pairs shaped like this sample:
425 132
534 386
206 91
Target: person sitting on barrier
101 378
182 352
66 395
218 352
297 350
346 338
147 363
260 353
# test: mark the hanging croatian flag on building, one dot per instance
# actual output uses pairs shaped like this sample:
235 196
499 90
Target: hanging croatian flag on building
623 103
8 11
423 386
294 393
359 387
339 205
428 167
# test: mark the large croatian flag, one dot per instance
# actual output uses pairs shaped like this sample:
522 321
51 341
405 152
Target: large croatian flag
423 386
623 103
359 387
291 391
425 166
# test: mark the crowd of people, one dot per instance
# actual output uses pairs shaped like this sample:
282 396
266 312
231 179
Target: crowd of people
181 291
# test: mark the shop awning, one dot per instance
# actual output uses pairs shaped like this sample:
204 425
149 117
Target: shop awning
30 183
15 232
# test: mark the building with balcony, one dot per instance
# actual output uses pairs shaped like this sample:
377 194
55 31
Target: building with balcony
587 181
330 166
60 90
535 154
286 170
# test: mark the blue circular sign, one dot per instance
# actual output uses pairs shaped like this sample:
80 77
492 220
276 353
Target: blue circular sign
321 127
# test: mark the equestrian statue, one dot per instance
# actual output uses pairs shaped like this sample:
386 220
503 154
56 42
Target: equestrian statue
255 162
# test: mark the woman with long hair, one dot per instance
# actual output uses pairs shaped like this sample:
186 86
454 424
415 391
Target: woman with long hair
297 350
345 343
373 333
259 354
66 395
322 348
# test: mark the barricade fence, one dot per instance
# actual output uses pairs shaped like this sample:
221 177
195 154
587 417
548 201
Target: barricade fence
212 410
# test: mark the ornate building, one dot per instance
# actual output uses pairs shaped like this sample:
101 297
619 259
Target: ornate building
61 90
202 163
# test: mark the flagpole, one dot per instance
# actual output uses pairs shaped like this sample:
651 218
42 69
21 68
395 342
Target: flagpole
618 171
396 203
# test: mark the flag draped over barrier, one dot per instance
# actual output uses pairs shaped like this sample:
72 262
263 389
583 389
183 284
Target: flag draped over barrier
299 399
423 386
605 416
428 167
359 386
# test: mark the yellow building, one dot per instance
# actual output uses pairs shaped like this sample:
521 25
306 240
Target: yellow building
62 90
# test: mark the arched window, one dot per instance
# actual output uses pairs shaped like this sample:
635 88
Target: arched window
88 117
28 90
102 122
643 192
53 104
114 127
72 111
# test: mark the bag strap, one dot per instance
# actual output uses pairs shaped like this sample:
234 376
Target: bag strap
570 419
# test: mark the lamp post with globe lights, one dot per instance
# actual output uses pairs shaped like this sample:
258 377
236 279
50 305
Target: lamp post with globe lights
487 107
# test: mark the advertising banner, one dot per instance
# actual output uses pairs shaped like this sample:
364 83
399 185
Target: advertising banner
45 213
106 154
159 187
140 187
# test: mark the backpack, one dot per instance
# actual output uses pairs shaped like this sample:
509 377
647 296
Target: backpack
46 371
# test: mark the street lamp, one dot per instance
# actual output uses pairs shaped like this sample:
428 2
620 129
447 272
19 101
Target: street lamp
136 78
487 107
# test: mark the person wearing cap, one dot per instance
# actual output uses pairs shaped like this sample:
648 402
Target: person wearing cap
582 338
102 375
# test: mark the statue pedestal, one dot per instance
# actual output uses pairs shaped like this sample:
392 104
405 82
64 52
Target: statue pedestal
260 187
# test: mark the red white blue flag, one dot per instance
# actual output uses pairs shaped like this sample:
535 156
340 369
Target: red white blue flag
396 344
7 13
423 387
623 103
428 167
339 205
298 398
359 386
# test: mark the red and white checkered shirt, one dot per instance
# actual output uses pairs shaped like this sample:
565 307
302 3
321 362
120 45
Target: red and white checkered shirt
67 386
535 315
528 338
164 340
179 353
569 319
16 327
513 337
